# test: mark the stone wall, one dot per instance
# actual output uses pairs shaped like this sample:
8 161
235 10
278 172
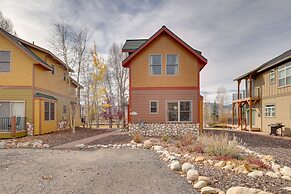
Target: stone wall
159 129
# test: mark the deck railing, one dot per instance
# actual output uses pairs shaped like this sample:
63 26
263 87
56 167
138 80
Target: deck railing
246 94
8 124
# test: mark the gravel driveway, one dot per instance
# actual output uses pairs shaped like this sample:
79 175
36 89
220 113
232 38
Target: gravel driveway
100 171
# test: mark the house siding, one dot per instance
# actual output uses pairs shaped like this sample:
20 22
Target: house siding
188 75
19 95
141 98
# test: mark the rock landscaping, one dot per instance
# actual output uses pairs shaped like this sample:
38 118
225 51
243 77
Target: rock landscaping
18 143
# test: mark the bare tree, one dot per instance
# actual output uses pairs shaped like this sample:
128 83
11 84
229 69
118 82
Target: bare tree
206 109
6 24
61 42
221 99
118 76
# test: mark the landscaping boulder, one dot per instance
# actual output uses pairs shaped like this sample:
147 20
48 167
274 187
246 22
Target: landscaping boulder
175 165
147 144
2 144
288 178
256 173
192 175
220 164
242 190
80 146
204 178
200 184
199 159
209 190
286 171
158 148
186 166
272 174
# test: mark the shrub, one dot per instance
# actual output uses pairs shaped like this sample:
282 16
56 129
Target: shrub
197 148
165 138
187 140
223 158
257 163
137 138
219 145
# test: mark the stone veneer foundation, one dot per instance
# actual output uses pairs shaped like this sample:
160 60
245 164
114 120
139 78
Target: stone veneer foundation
159 129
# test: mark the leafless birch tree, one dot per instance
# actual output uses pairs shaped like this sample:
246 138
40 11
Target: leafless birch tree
6 24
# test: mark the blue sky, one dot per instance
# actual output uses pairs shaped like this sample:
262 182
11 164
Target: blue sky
235 36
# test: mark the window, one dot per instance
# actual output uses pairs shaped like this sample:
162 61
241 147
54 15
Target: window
49 111
53 69
65 76
172 64
179 111
272 76
154 107
284 77
270 110
64 109
4 61
156 64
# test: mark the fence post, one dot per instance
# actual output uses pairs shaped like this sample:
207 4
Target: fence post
13 126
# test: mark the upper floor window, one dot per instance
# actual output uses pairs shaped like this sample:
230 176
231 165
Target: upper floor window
4 61
272 76
154 107
284 72
270 110
49 111
172 64
156 64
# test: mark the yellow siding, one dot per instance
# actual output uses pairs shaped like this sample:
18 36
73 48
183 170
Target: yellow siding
164 44
20 64
36 116
19 95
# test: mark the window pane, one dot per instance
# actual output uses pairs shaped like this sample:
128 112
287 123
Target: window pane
5 56
288 80
173 111
172 60
154 107
282 82
185 106
172 70
185 116
154 110
46 111
52 111
281 73
156 60
288 71
4 67
156 70
4 109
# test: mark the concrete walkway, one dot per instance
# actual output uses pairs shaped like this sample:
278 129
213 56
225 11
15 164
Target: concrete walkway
87 140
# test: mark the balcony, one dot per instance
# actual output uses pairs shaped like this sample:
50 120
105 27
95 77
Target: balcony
245 95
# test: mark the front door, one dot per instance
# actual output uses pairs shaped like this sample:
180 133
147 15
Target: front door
253 116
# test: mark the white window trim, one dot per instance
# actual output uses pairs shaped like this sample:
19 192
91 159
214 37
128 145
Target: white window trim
11 101
10 63
150 72
191 111
265 107
154 113
272 72
284 68
178 62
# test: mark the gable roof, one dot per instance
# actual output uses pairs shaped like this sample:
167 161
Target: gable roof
16 41
284 57
198 54
132 45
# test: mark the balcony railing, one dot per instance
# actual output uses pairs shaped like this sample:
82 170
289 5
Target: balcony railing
7 124
246 94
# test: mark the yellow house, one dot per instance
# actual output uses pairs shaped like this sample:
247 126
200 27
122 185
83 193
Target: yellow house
34 89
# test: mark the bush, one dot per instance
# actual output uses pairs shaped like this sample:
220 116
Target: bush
187 140
165 138
219 145
195 148
257 163
137 138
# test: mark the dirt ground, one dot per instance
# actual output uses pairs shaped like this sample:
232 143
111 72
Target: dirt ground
101 171
66 136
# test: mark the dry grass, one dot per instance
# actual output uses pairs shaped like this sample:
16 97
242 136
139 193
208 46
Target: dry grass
165 138
187 139
137 138
257 163
219 145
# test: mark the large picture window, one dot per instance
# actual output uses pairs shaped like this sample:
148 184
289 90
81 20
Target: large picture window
270 110
49 111
284 77
172 64
4 61
179 111
156 64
